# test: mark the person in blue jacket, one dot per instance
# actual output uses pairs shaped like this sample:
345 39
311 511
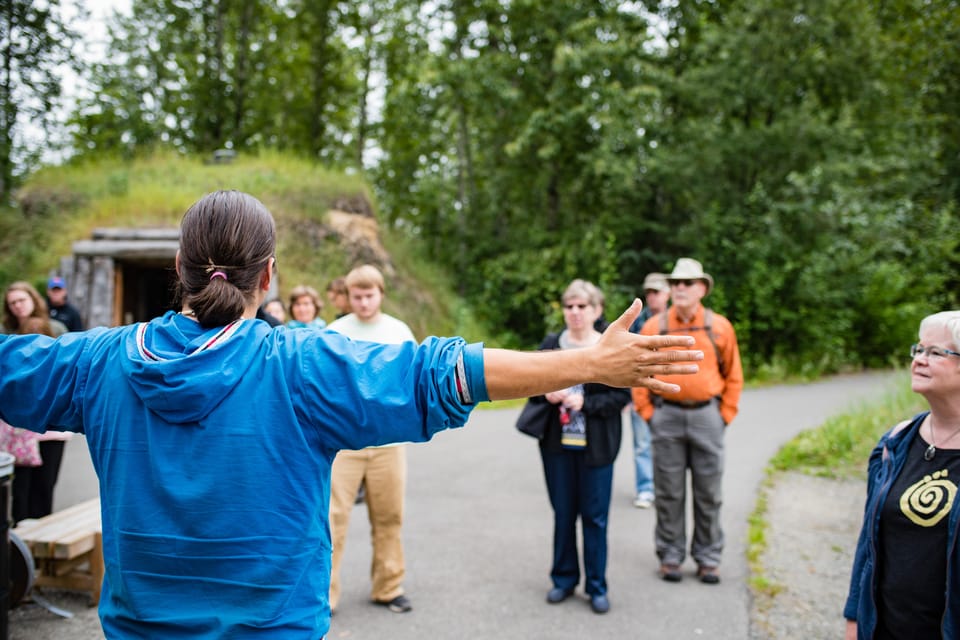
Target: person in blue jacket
905 581
305 308
215 518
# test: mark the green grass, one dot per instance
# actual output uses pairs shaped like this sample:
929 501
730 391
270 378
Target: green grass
839 448
757 543
505 404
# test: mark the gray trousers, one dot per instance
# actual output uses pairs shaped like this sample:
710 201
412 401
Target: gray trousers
688 439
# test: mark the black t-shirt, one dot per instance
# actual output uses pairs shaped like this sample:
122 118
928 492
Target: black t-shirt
913 545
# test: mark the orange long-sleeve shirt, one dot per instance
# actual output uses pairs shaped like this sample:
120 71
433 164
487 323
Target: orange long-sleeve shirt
708 382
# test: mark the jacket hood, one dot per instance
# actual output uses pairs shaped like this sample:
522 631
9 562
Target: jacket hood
182 371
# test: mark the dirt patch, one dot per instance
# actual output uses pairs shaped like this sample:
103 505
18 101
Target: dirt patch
360 237
813 524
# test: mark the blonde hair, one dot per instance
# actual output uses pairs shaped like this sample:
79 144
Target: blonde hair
365 277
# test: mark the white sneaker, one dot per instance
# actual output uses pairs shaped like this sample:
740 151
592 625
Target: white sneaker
644 500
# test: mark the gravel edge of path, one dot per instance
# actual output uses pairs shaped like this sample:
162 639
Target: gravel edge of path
812 529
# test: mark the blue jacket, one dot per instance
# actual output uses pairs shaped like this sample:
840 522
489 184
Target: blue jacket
886 462
213 451
316 323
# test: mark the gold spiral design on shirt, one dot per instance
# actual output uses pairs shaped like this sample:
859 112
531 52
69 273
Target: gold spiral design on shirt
928 502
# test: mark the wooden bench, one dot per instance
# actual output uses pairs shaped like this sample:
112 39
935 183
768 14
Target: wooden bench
67 548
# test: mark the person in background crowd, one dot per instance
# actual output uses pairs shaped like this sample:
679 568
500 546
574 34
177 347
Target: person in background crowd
215 515
656 297
276 310
905 581
338 297
60 309
578 450
382 470
656 294
22 301
305 307
688 426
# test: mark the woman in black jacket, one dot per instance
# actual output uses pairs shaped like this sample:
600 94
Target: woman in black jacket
578 449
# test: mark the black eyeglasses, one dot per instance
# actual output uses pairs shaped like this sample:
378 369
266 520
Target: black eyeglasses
568 307
932 352
686 283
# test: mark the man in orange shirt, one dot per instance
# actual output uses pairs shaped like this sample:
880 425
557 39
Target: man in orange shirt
688 426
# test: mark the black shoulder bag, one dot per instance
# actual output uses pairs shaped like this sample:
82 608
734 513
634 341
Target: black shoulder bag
534 417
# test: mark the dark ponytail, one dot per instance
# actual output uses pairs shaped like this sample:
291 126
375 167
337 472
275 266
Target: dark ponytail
226 240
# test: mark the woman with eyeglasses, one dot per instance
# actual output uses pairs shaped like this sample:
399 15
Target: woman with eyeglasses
22 301
579 446
906 571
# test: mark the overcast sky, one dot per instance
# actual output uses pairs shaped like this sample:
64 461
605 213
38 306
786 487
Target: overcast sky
94 30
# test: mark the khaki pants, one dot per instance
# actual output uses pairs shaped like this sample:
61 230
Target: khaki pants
384 470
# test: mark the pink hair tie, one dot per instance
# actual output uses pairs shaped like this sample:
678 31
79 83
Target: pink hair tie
218 274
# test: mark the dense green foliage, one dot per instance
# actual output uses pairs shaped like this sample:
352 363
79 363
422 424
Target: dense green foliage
808 153
781 144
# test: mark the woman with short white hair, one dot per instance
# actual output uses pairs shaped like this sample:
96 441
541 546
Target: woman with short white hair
578 448
906 571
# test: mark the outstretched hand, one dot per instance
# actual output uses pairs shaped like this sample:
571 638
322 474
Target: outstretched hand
630 360
619 359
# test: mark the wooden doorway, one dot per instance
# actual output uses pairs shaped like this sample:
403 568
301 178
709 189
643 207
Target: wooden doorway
144 290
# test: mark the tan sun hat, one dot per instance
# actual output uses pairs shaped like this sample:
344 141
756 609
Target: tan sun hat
690 269
656 281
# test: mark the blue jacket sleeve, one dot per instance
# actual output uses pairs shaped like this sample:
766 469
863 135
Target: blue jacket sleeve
362 394
41 380
861 555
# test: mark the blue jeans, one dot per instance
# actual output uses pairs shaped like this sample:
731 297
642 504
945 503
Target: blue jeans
642 452
578 491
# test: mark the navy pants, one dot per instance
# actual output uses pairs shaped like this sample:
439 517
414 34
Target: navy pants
578 491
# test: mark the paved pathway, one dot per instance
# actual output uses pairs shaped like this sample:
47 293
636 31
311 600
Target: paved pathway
478 534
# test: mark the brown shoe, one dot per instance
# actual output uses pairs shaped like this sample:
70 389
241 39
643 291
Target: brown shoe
671 572
708 575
